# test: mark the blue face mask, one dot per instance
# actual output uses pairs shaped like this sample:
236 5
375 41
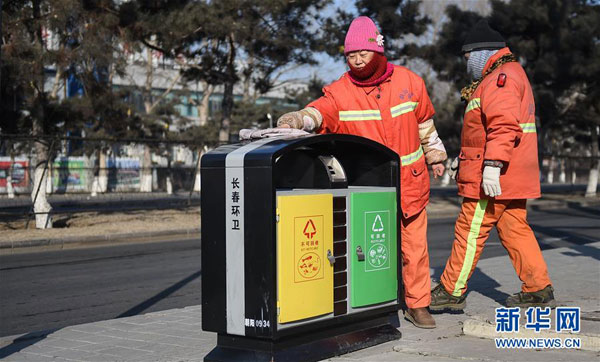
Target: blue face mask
477 61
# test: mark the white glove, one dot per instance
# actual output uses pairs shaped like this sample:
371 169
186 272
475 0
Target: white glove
453 169
253 134
308 119
491 181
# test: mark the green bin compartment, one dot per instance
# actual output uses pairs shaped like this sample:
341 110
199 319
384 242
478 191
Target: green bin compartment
373 229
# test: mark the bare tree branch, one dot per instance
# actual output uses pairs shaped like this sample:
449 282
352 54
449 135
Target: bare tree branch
57 83
166 92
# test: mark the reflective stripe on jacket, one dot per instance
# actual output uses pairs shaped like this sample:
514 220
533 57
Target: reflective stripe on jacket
389 114
499 124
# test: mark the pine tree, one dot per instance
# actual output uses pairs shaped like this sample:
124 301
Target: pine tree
153 35
250 42
45 41
557 42
313 91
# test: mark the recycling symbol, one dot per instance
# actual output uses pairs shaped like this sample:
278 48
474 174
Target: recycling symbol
377 224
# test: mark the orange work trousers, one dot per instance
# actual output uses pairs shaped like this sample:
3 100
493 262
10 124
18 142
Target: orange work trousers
415 261
472 229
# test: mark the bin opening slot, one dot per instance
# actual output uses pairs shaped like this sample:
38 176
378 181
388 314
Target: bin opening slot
334 168
309 168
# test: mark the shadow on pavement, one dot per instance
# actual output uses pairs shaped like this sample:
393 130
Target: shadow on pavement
32 338
584 250
480 283
579 207
585 211
158 297
24 341
487 286
571 240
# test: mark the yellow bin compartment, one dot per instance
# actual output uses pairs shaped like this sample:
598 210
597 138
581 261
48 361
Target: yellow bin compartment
304 273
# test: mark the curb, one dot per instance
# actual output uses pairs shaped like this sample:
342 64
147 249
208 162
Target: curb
481 329
24 337
61 242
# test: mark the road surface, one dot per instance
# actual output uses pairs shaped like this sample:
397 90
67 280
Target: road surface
53 289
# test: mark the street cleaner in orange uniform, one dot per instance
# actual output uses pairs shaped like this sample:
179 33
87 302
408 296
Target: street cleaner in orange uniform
388 104
497 171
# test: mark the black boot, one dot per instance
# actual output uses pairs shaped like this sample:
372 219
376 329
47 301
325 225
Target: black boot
441 299
542 298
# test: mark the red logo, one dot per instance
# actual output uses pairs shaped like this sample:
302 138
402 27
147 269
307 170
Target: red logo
501 80
309 229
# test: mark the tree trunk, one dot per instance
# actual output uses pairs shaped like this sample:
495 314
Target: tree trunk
41 207
95 187
146 174
550 178
10 190
100 183
169 186
592 185
226 118
247 80
9 186
149 80
227 103
169 173
562 176
102 172
203 107
146 179
49 186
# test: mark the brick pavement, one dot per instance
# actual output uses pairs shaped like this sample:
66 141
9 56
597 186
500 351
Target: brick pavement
176 335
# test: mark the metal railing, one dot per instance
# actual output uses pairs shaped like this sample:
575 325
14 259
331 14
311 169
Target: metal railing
123 174
98 173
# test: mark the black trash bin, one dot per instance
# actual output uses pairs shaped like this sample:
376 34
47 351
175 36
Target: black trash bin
300 247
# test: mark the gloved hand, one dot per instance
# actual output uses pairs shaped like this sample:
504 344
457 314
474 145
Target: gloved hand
491 181
308 119
453 169
253 134
291 119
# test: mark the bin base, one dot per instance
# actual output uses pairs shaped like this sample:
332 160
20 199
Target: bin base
313 346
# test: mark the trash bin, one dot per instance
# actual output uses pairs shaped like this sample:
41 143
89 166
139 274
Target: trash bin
300 247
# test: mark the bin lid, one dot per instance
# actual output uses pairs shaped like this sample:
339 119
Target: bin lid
264 152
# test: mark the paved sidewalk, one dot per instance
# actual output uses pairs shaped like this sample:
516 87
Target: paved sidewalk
176 335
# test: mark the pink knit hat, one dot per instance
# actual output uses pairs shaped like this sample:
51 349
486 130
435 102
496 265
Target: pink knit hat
363 35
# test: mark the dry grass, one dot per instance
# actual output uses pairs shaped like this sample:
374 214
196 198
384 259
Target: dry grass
97 223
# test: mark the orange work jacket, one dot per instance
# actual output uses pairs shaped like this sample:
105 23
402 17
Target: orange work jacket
389 114
499 124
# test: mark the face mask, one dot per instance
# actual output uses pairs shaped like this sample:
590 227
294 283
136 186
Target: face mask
477 61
